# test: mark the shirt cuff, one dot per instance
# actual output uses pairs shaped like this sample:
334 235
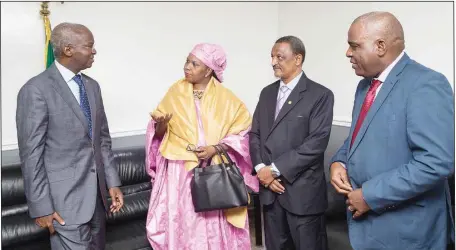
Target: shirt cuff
259 166
343 164
275 170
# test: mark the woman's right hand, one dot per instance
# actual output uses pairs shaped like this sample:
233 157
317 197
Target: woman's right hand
162 123
162 119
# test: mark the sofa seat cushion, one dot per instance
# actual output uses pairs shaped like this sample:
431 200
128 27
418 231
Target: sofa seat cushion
20 228
42 244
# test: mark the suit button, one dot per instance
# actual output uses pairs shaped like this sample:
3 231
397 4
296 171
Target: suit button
92 170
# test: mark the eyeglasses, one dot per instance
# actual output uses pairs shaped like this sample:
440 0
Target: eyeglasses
191 148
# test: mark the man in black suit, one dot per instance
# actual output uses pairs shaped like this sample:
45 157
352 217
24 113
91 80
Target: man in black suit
290 133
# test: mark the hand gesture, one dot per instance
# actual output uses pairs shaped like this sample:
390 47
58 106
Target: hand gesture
117 199
357 204
339 178
46 221
162 119
267 180
162 123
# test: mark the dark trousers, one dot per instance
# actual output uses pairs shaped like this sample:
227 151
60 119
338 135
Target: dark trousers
286 231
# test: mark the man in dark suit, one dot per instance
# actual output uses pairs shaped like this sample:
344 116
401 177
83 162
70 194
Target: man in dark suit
289 135
65 146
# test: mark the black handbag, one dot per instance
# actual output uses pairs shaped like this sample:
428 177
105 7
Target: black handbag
219 186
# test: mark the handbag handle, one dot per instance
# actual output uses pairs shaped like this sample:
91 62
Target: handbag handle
200 163
223 152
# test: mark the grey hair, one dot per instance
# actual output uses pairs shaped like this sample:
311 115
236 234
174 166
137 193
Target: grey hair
297 46
64 34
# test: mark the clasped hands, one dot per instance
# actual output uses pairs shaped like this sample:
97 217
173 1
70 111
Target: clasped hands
267 179
355 201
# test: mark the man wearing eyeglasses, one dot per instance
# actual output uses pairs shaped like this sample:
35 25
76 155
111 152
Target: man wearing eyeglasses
65 146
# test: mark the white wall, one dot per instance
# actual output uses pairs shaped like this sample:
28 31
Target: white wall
142 47
323 27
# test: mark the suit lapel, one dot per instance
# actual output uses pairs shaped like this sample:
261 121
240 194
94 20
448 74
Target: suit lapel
91 96
357 106
385 90
293 99
271 103
64 91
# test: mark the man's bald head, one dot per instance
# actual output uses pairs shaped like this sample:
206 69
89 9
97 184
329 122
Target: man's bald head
376 39
65 34
73 46
382 25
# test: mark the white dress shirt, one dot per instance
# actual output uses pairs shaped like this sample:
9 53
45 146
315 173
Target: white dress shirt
291 85
68 76
382 77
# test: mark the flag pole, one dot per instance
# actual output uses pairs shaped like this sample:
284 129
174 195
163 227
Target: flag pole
48 54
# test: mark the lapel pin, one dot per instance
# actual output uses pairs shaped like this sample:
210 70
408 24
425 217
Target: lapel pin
289 102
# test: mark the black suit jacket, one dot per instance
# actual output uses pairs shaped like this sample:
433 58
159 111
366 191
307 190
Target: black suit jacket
295 142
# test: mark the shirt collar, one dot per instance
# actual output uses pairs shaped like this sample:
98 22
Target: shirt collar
382 77
66 73
292 84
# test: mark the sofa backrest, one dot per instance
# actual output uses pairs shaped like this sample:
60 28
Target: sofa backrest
336 202
129 163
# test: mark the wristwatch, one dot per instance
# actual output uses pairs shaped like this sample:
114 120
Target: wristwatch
274 172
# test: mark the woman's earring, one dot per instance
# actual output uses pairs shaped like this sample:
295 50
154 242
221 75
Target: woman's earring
208 73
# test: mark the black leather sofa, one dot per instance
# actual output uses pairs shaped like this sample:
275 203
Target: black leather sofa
336 220
124 230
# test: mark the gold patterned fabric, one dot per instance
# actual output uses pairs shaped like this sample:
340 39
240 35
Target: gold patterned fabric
222 114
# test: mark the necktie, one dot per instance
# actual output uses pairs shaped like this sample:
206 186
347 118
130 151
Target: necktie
368 100
84 102
281 99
